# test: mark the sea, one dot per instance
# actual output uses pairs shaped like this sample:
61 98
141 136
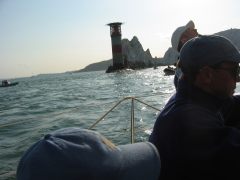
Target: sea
122 106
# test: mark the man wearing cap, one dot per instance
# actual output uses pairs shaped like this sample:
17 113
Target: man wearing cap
179 37
80 154
190 133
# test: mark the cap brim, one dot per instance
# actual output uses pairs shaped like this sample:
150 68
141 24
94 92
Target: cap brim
236 58
190 24
140 161
178 33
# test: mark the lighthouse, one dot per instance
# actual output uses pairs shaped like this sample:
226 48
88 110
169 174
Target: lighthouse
116 38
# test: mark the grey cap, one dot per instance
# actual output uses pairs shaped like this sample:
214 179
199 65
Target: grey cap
178 33
75 154
207 50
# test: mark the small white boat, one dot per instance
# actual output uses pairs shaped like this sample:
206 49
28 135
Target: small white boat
6 83
169 71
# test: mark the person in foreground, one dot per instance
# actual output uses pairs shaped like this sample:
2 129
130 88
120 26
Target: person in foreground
190 133
179 37
75 154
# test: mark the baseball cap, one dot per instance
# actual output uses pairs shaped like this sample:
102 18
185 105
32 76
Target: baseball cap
178 33
207 50
75 154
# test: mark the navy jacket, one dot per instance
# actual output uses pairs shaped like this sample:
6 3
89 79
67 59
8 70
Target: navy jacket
192 138
231 112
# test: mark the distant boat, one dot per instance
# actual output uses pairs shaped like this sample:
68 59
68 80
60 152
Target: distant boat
169 71
6 83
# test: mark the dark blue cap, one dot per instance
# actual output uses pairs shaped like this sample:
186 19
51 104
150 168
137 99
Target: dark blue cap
207 50
75 154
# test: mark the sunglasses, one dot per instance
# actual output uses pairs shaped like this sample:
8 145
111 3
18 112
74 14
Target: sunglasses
234 71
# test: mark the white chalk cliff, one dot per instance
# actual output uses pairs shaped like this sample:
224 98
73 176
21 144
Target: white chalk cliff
135 53
233 35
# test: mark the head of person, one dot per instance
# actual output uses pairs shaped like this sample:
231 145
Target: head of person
211 62
182 34
75 154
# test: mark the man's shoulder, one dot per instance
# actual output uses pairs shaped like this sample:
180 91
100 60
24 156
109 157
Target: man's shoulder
183 108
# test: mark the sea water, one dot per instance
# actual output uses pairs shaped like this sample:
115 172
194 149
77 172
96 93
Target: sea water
41 104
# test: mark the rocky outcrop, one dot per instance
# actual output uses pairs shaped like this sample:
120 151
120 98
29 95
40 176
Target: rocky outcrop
170 57
135 54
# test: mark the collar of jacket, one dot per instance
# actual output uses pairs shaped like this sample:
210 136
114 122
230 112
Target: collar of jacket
196 95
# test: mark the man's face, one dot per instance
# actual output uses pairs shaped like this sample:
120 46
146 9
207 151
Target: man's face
224 79
188 34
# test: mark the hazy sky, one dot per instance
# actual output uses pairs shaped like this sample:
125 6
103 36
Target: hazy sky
53 36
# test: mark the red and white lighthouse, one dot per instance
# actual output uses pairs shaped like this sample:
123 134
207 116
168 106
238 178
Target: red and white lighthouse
116 38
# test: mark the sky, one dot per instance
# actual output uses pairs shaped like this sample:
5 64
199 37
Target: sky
55 36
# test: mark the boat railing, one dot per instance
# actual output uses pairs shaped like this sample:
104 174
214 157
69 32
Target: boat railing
132 113
131 98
